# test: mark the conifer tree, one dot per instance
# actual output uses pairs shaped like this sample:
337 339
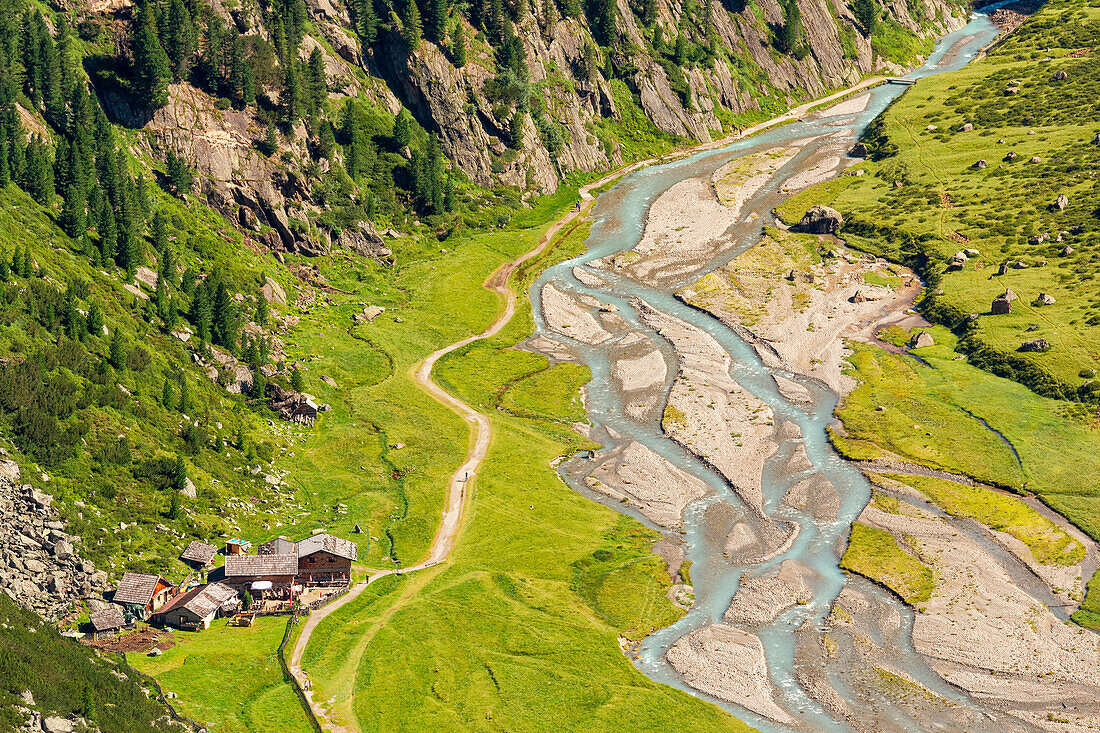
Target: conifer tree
515 130
458 45
181 39
318 84
787 37
402 129
866 15
436 23
411 29
290 99
72 211
261 310
366 21
95 320
108 232
117 354
159 232
152 68
38 177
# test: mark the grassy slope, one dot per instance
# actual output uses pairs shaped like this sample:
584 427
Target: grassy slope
1000 208
502 637
67 678
230 677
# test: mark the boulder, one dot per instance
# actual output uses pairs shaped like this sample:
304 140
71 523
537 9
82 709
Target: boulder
863 296
821 220
273 292
921 340
1061 202
859 150
329 381
971 252
1044 299
57 724
1001 307
1012 91
966 128
1036 159
1009 295
1060 75
1037 239
1011 156
1035 345
1019 265
980 165
366 241
146 277
1067 251
189 489
1003 268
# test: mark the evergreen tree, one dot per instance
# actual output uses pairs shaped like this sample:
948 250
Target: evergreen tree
290 99
159 231
181 39
242 82
366 21
179 475
866 14
179 175
318 84
108 232
168 396
270 143
38 176
152 68
411 30
95 320
261 310
117 354
458 45
402 131
72 211
435 26
225 323
297 379
202 313
515 130
788 35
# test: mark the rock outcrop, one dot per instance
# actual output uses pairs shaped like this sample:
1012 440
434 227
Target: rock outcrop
40 566
821 220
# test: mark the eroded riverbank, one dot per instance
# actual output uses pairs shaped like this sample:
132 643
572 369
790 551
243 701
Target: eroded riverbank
717 356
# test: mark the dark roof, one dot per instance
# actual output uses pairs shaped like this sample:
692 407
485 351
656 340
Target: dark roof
244 566
201 601
333 545
107 619
199 552
278 546
136 588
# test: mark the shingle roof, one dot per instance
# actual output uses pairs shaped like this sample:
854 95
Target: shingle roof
136 588
199 552
201 601
278 546
107 619
328 543
243 566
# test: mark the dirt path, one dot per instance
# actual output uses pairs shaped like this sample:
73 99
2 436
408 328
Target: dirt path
451 522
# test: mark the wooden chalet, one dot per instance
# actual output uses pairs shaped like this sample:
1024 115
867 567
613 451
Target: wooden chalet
107 622
278 546
199 555
304 411
140 594
325 560
195 609
252 573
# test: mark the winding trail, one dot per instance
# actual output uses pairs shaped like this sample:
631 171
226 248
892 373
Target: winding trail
451 523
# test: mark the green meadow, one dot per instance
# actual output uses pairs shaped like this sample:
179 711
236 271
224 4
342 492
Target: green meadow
875 554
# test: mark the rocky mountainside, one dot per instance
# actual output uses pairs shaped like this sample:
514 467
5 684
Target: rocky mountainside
538 90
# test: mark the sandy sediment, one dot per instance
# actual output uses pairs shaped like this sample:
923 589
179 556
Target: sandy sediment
729 664
985 634
568 314
792 391
738 180
588 278
759 600
800 323
647 482
816 495
710 414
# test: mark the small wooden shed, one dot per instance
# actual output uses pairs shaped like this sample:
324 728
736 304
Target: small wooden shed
140 594
237 546
199 554
107 622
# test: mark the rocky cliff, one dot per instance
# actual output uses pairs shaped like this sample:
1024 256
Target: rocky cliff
688 72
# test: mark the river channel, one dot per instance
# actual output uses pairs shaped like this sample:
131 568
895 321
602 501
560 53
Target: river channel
619 220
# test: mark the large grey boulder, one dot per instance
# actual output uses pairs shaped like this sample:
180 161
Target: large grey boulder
921 340
56 724
821 220
1036 345
1061 202
1001 306
366 241
1044 299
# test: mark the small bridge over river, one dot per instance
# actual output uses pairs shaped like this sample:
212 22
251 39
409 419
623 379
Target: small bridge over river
901 80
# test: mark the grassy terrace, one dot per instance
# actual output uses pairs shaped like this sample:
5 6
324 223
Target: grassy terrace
519 630
875 554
